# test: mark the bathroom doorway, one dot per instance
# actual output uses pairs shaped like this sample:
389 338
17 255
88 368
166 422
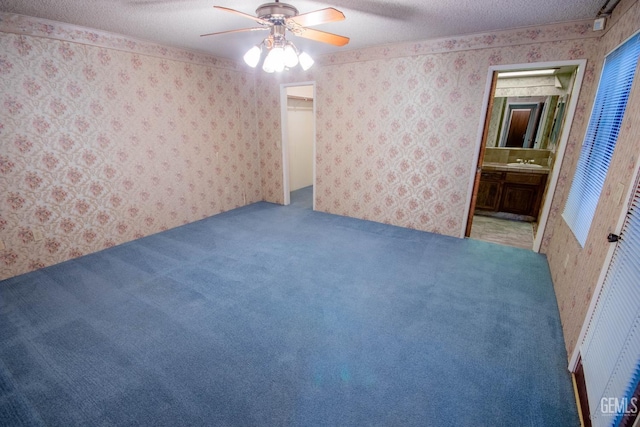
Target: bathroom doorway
529 109
298 117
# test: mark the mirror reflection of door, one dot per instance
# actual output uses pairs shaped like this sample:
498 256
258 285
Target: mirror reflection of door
518 127
521 127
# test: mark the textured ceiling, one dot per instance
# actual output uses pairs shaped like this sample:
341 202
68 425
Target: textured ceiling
368 23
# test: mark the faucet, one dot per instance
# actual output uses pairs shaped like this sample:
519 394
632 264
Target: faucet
526 161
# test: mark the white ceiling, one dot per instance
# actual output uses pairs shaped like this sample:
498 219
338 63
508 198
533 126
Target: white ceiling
368 23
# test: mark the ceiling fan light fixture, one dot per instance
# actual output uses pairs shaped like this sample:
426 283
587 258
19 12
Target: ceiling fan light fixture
306 61
252 57
279 18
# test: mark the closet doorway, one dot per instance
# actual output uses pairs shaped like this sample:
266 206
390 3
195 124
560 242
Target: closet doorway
298 139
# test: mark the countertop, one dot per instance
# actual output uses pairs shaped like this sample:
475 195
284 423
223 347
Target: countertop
503 167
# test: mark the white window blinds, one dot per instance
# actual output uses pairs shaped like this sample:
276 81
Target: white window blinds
600 140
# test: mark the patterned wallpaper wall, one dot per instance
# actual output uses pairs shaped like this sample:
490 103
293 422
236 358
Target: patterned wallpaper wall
575 270
396 136
495 123
101 146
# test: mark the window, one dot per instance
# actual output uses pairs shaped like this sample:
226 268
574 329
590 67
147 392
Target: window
600 139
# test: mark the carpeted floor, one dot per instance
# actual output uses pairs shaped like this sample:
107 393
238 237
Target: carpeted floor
274 316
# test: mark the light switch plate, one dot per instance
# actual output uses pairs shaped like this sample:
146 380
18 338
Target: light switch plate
619 193
37 235
2 247
598 24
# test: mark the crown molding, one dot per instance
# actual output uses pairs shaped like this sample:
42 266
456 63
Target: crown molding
565 31
38 27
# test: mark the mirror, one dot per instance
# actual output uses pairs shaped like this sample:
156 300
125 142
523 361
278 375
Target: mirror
528 110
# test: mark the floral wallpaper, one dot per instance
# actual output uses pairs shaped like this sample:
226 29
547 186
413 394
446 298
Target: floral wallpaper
561 32
495 123
396 138
101 146
270 131
37 27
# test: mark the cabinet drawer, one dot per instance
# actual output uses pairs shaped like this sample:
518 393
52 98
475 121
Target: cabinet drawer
524 178
492 176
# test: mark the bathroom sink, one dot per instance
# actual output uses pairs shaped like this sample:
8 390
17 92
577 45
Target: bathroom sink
524 165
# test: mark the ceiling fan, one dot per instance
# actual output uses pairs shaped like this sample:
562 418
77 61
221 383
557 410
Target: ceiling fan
277 18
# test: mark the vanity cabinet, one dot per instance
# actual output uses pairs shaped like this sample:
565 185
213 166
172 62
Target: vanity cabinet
522 193
489 191
514 192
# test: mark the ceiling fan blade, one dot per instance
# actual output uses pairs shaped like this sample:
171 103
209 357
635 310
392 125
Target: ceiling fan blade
318 17
321 36
246 15
382 8
242 30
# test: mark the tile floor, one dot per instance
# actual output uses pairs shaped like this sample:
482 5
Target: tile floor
502 231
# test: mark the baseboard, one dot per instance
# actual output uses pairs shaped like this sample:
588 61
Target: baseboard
577 397
505 215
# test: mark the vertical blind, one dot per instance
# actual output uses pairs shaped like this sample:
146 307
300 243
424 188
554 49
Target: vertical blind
611 348
600 140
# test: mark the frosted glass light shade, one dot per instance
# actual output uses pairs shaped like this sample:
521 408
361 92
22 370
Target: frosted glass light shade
281 55
269 65
305 61
290 56
278 58
252 57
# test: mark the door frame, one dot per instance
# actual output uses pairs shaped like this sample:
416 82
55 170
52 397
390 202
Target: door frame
552 180
284 128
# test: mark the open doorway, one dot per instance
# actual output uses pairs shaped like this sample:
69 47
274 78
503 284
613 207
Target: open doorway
298 143
529 109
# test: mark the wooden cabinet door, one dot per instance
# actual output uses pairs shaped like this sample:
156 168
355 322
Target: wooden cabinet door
519 199
488 195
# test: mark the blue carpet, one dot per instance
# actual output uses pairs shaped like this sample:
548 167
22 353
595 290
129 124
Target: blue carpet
275 316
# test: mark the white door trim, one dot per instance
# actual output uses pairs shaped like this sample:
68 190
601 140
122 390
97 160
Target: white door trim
562 142
562 146
286 185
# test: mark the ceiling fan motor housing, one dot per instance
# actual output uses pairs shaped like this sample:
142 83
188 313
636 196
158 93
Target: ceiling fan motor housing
276 38
276 11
